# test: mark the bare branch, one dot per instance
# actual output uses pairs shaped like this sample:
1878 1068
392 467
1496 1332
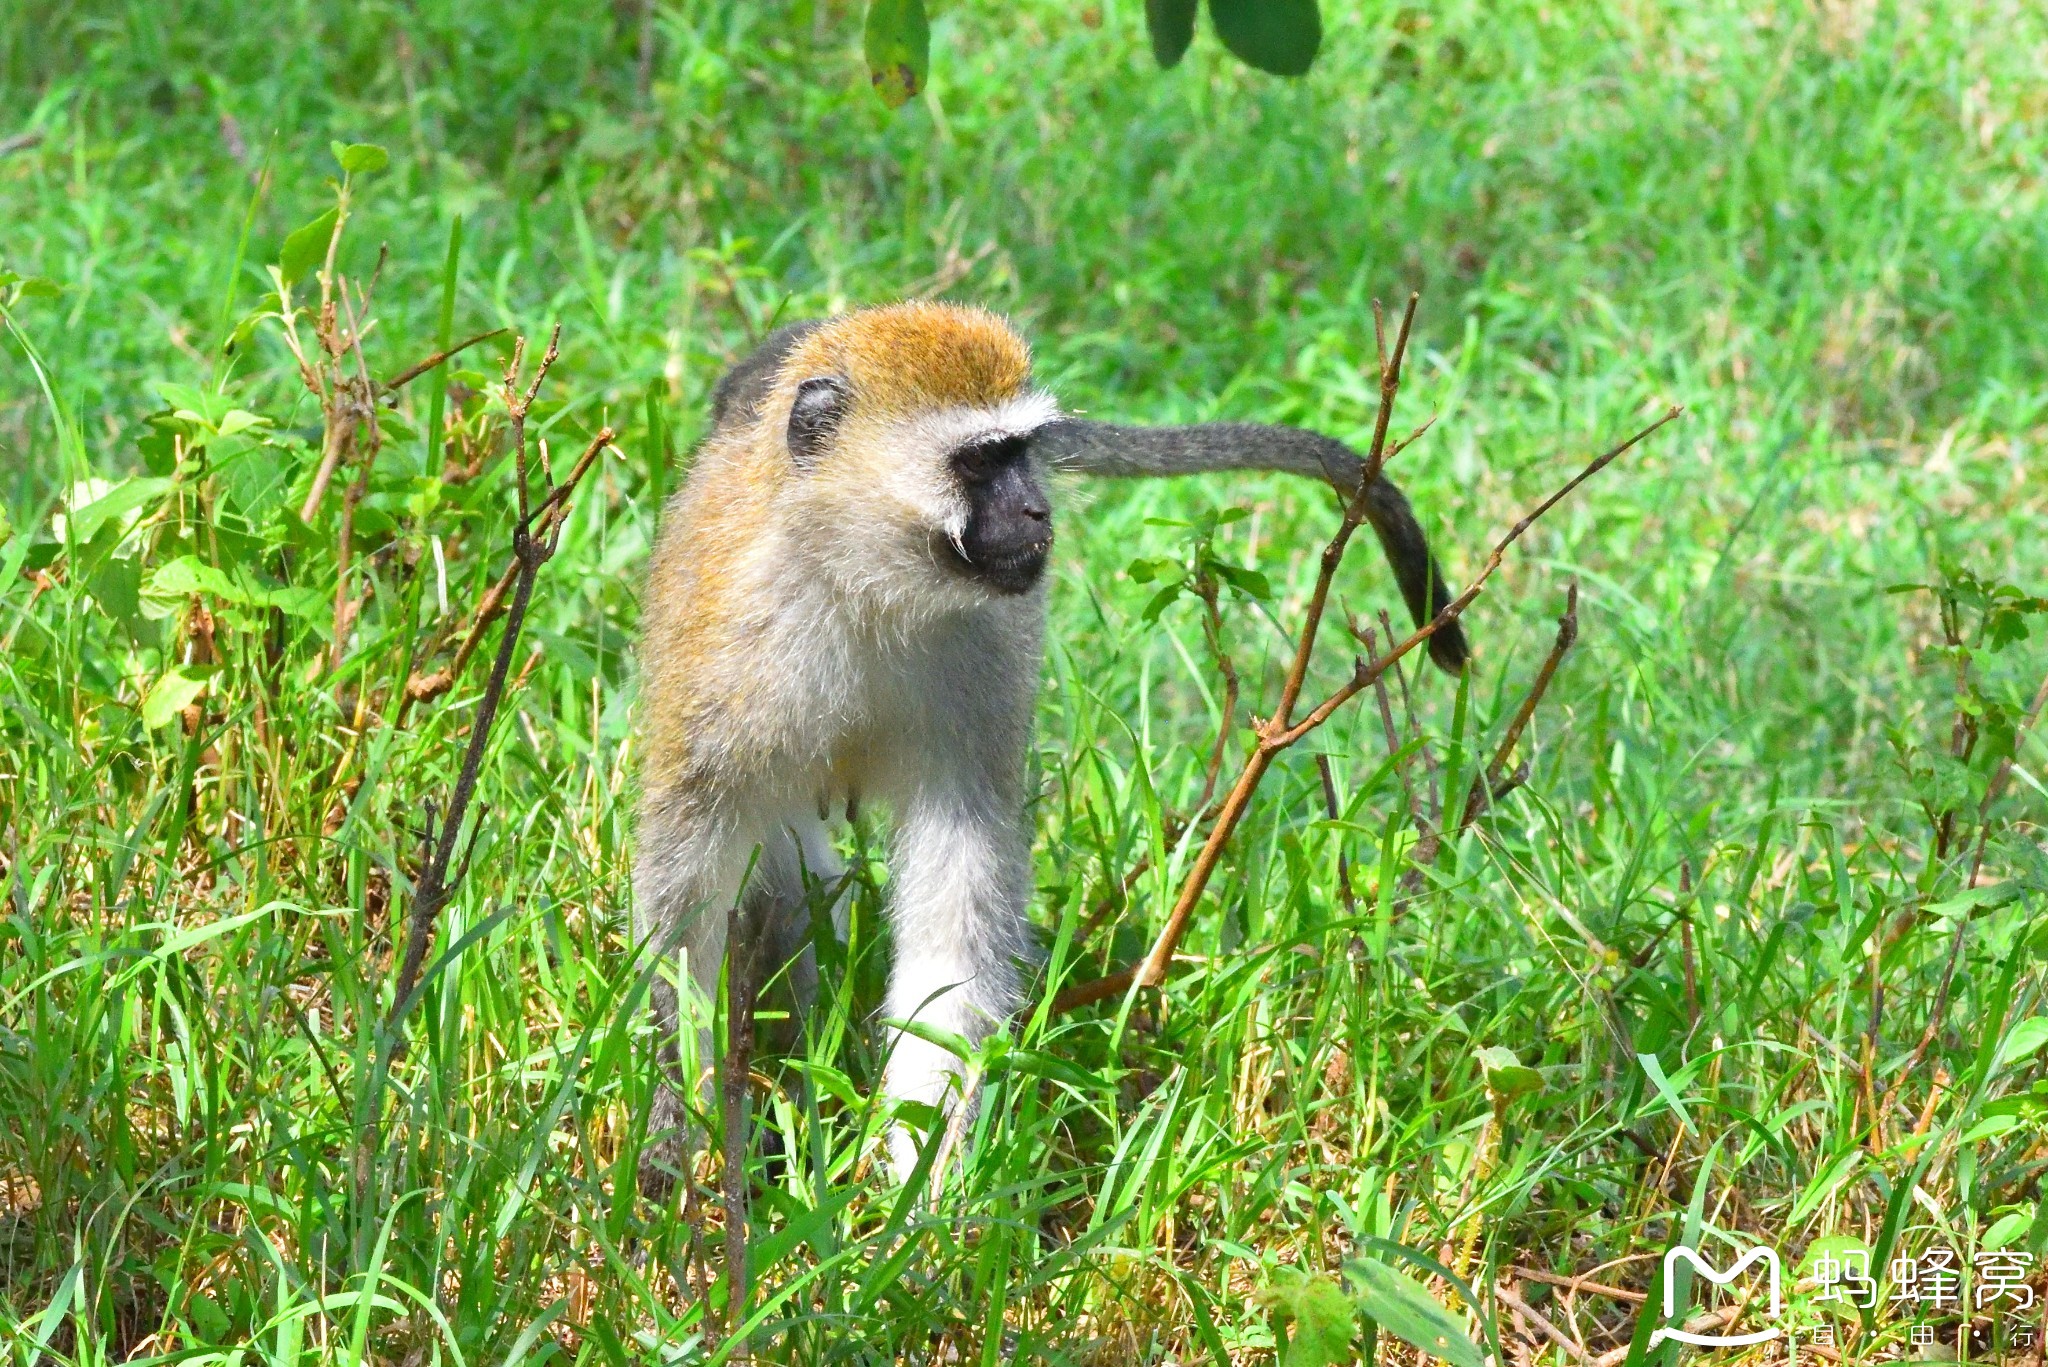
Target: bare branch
548 517
1335 811
1354 516
1488 787
1523 1311
413 372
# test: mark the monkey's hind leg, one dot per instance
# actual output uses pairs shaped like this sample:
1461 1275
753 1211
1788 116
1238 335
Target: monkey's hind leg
686 878
773 920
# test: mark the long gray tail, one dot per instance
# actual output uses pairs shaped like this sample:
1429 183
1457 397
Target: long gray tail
1101 448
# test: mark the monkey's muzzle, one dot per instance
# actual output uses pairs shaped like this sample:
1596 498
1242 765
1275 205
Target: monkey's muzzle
1006 565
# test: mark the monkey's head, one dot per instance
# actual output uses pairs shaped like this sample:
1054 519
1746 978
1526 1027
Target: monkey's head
906 434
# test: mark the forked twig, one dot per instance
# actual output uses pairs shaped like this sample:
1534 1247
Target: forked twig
1281 731
423 687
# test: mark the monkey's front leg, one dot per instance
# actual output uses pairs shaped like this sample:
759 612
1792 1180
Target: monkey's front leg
962 882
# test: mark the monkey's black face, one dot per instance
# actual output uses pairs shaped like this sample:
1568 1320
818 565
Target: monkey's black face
1009 518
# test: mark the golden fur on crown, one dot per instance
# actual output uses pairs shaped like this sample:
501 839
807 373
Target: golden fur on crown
911 358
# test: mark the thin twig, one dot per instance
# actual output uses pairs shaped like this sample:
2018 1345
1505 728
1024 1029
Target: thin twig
1415 736
1427 838
1331 806
1212 629
1112 901
1577 1284
1576 1351
423 687
413 372
1488 787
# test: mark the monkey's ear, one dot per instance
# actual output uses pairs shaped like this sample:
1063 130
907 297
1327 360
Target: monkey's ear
821 402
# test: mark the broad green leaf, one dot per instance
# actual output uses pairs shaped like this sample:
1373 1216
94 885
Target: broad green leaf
173 693
1280 36
1406 1310
1507 1077
266 307
1171 26
117 504
188 574
951 1041
360 158
187 399
306 248
237 420
1161 601
1319 1318
1990 1128
1250 583
2029 1035
2007 1228
6 526
897 41
1989 896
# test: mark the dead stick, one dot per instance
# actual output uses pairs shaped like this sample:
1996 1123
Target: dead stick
1261 757
1577 1284
1212 629
1525 1312
1395 749
531 552
1485 788
1331 806
411 373
553 509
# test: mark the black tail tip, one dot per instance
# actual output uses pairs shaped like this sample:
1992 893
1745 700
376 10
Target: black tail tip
1449 648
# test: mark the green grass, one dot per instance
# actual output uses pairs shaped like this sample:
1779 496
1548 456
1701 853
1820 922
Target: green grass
1714 920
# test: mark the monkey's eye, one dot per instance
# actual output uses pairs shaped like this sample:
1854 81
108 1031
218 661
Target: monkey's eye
984 460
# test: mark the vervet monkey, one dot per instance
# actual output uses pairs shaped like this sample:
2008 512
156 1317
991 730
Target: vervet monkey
847 601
